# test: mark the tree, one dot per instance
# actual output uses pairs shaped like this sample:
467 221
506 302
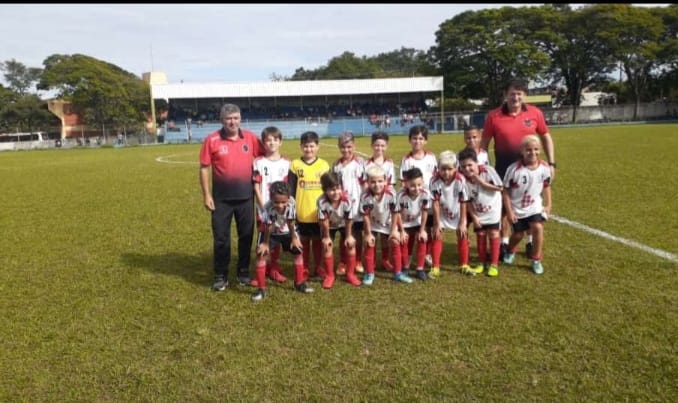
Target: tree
19 77
27 113
632 35
480 51
578 57
101 93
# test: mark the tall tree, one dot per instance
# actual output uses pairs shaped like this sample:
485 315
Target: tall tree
480 51
102 93
19 77
578 57
632 34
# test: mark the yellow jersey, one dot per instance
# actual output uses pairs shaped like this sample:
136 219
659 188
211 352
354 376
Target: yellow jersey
305 179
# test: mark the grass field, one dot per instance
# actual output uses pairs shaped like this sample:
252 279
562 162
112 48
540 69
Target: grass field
105 276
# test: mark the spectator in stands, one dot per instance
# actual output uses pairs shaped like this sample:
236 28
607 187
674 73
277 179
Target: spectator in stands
508 125
230 152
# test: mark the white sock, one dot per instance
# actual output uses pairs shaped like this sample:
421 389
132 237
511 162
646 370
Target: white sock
529 239
504 240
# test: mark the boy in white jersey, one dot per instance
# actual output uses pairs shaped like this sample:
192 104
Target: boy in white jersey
525 183
449 211
472 138
279 218
426 161
351 171
379 208
379 142
484 188
413 203
335 214
269 168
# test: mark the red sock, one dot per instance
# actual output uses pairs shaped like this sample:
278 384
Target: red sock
299 272
329 266
462 250
494 251
436 251
482 247
405 255
397 259
421 253
261 274
370 251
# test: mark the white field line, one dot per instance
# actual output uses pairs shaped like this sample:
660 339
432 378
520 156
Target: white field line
658 252
606 235
166 159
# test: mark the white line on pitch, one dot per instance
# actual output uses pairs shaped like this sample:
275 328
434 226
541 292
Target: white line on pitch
658 252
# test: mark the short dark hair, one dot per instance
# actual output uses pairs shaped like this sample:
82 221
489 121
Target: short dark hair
280 188
309 137
271 131
379 135
412 173
518 84
467 153
418 129
330 180
470 128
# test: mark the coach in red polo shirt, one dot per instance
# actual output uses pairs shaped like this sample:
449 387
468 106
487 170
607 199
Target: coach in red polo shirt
507 125
230 153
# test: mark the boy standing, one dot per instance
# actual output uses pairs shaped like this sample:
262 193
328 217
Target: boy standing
335 214
413 203
379 144
449 211
525 183
304 179
350 169
426 161
484 188
269 168
379 208
472 138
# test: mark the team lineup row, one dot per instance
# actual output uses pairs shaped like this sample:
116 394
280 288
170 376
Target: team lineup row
302 203
409 223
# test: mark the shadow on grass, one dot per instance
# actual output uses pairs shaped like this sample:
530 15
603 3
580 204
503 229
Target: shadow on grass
195 269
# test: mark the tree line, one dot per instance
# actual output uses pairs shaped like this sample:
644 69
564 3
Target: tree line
477 52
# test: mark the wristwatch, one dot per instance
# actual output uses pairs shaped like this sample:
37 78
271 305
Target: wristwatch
553 164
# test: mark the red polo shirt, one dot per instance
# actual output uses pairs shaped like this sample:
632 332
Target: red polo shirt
232 161
508 130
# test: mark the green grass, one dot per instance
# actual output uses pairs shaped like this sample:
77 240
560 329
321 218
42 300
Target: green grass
105 277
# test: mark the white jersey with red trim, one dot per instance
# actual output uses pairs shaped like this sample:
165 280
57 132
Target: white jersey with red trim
389 168
279 220
525 186
450 196
337 215
410 208
352 174
267 171
428 165
486 203
379 209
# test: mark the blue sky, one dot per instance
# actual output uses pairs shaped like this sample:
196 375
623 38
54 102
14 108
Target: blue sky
210 42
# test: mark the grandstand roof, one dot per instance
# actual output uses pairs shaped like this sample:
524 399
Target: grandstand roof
297 88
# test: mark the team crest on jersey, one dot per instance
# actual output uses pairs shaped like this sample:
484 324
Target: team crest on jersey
302 184
245 148
527 122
